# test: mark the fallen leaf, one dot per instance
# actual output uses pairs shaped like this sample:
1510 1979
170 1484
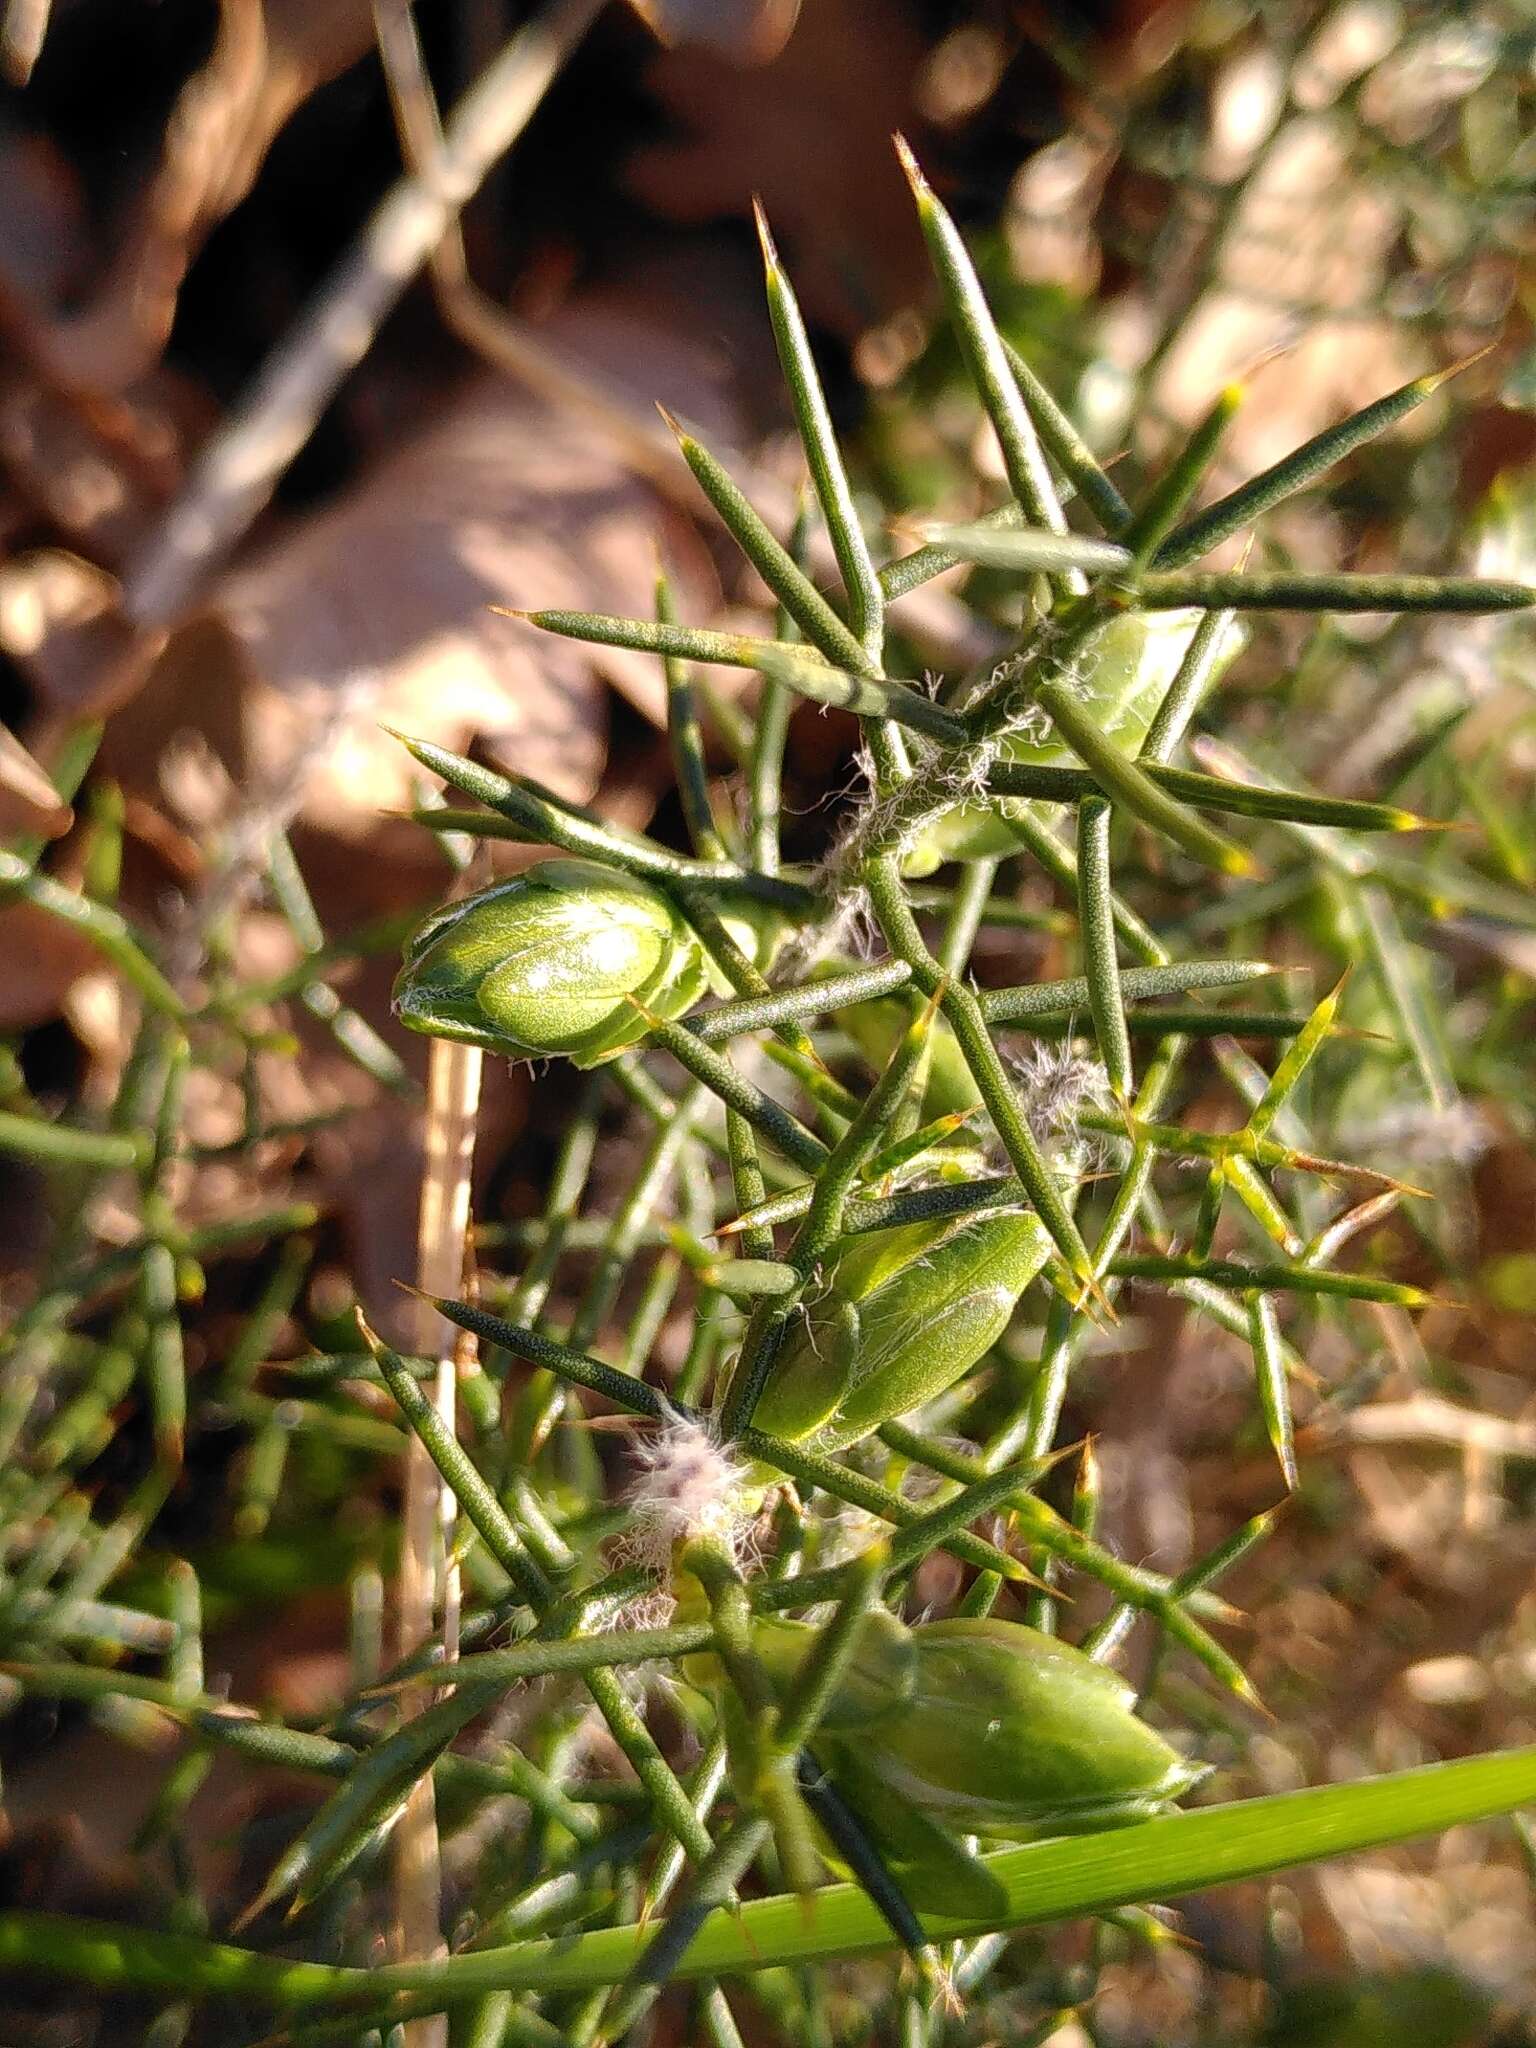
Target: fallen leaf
745 31
1302 271
40 223
267 58
378 610
28 800
810 133
60 624
40 961
99 469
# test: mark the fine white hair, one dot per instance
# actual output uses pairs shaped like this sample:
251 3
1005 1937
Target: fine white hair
687 1483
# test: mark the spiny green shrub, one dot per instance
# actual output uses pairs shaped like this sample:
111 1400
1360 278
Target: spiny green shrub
1011 1161
910 1206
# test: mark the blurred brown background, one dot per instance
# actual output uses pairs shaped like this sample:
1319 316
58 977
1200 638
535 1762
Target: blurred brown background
246 537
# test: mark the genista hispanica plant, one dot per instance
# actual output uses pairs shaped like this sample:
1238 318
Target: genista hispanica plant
909 1206
861 1254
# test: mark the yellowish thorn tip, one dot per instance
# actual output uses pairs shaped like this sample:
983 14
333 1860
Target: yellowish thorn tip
1224 1612
247 1914
1436 378
1093 1301
911 166
1248 1694
1017 1574
765 234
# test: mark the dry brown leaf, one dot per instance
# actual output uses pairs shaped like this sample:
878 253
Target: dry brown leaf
811 133
28 800
96 466
40 223
22 32
60 624
388 596
267 58
41 959
99 469
377 611
745 31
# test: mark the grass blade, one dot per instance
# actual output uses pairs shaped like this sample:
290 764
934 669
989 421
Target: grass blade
647 636
1205 652
1400 978
686 741
1071 452
1296 1279
1296 1060
772 560
1137 984
106 929
1046 782
1030 548
478 1503
1157 1859
808 999
1181 479
868 696
782 1129
51 1144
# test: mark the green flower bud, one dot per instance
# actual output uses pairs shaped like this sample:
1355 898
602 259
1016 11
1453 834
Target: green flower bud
880 1678
983 1727
1124 674
904 1317
548 963
759 929
1011 1733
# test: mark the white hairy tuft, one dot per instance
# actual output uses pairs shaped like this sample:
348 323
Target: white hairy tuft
1056 1084
687 1484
